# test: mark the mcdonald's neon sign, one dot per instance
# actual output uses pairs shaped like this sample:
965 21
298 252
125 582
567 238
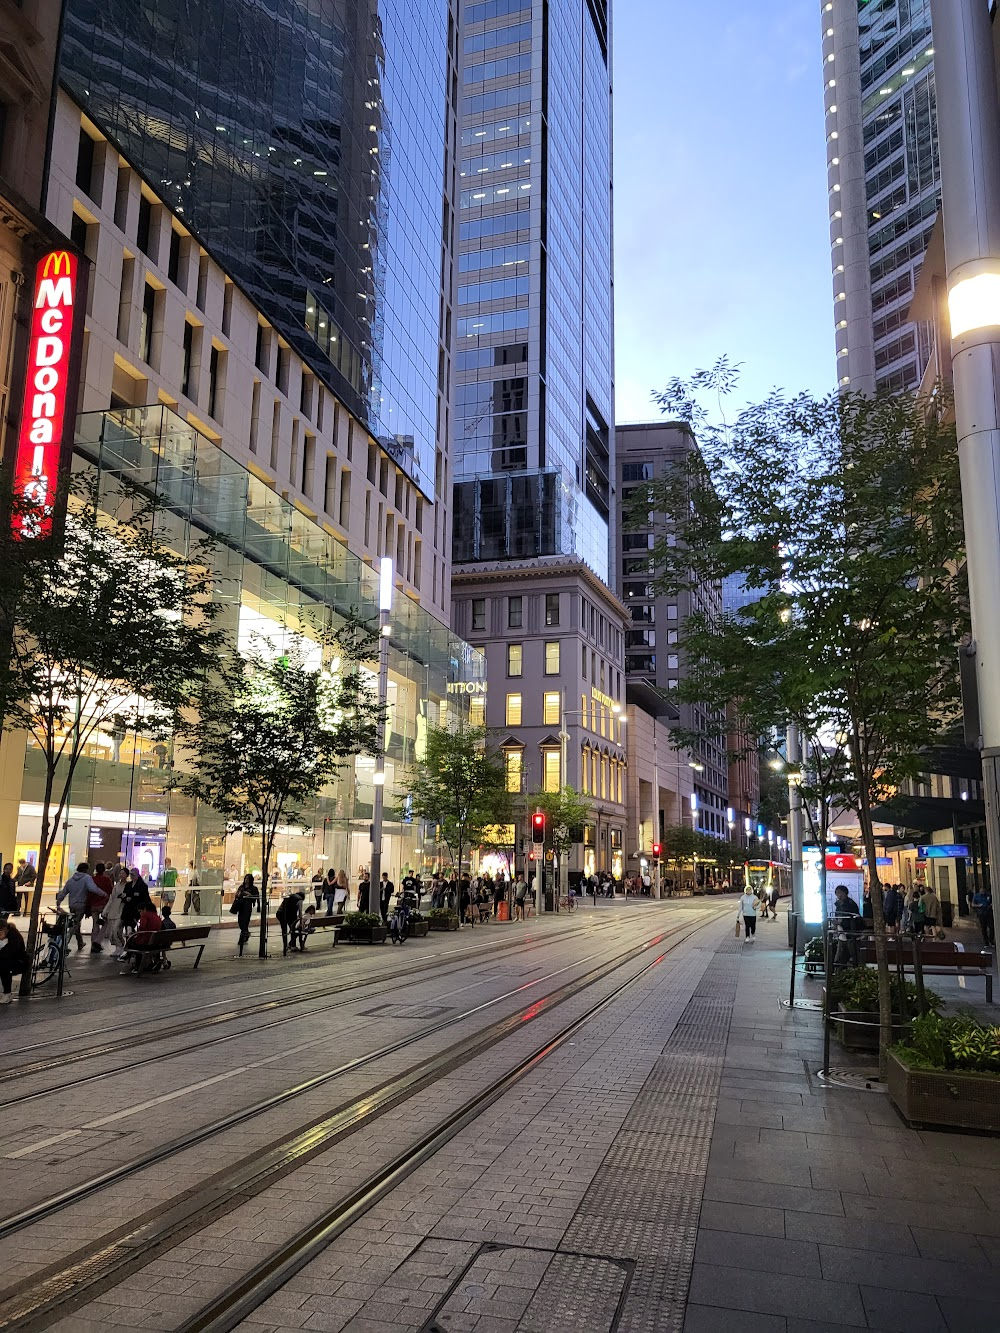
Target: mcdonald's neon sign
43 442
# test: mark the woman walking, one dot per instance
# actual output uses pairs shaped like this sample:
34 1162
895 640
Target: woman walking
247 898
749 902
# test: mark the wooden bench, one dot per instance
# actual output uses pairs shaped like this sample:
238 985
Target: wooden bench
145 943
333 923
937 959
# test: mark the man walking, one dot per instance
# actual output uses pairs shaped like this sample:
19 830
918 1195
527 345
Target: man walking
78 889
748 911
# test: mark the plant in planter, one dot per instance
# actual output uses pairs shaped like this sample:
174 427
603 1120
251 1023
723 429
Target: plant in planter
440 918
948 1073
364 926
854 995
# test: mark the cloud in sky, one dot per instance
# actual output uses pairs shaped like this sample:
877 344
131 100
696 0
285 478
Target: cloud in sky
721 231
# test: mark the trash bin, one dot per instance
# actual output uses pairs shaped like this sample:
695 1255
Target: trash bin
549 904
947 915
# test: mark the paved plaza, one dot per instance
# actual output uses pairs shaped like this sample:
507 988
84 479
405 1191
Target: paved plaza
670 1160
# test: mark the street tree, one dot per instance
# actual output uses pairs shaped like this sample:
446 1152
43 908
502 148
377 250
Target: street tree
845 513
460 786
106 631
273 727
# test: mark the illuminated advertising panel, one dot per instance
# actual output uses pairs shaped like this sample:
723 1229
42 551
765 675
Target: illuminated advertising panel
45 441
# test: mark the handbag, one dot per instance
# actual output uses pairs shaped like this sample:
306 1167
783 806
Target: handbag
234 907
737 932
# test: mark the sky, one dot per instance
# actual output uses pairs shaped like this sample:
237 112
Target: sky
722 242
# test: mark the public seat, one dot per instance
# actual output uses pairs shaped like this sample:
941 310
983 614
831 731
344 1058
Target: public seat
938 958
149 944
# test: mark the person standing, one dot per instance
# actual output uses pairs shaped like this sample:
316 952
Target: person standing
13 958
10 899
848 916
168 883
774 902
97 904
364 892
247 898
520 893
748 911
386 890
25 882
982 905
892 906
932 912
317 882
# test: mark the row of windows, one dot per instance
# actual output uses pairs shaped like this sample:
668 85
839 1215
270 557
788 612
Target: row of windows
883 150
515 219
515 658
496 194
497 69
637 471
511 127
903 346
497 290
518 96
509 36
595 717
901 286
501 256
912 218
493 9
502 161
602 776
914 248
501 321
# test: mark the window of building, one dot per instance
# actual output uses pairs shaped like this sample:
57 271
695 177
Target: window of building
637 472
477 711
671 612
551 708
144 230
552 657
515 659
146 324
583 709
174 257
188 355
672 636
478 613
85 164
214 368
604 777
551 609
585 770
671 661
514 767
514 612
513 710
551 770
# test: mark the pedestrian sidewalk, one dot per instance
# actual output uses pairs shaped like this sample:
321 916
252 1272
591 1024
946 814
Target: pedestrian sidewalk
821 1209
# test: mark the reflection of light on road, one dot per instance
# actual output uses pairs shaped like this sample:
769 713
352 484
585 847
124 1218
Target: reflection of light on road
532 1011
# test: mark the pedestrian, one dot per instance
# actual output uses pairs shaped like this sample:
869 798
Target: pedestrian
520 893
918 920
168 884
386 890
287 915
982 905
892 907
305 927
192 894
247 898
97 904
25 881
10 899
364 892
747 909
848 916
932 912
133 897
774 902
13 958
317 882
77 890
342 892
329 891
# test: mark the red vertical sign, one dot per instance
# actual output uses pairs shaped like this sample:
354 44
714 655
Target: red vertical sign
40 447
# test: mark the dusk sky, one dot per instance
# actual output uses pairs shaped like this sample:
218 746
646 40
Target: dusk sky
722 241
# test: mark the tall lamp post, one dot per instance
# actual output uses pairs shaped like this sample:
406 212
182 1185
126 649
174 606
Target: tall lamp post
564 713
385 583
969 133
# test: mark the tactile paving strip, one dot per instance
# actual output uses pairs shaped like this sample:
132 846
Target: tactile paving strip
645 1200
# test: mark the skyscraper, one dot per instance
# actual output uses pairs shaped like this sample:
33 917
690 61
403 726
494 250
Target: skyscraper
534 434
884 183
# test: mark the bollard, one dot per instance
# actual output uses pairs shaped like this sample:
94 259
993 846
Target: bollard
793 920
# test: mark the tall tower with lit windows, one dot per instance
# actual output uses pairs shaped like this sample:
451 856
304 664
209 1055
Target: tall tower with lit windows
884 184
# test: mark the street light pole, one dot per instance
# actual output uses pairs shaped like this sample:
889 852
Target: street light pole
969 135
384 608
794 748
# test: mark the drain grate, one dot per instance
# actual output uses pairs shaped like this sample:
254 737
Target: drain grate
858 1080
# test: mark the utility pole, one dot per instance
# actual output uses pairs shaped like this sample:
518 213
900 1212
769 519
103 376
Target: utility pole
969 133
385 609
793 746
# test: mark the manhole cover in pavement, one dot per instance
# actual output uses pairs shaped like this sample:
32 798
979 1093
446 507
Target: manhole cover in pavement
535 1291
858 1080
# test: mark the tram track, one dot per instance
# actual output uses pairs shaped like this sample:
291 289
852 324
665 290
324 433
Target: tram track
345 990
52 1293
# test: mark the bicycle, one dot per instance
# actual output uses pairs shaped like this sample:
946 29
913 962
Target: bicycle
50 950
399 923
568 903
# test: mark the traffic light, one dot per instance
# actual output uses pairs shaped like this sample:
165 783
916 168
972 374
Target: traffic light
657 850
538 827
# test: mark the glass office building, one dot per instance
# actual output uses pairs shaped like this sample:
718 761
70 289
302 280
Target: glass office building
885 184
277 573
304 146
534 345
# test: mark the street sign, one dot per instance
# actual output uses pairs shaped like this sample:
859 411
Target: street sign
937 851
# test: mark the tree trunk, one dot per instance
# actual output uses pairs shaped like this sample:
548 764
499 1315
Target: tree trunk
878 916
266 843
44 852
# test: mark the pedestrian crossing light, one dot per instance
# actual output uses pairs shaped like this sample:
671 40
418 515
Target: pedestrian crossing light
657 850
538 827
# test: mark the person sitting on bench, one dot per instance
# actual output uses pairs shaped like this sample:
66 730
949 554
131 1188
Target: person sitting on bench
149 921
305 927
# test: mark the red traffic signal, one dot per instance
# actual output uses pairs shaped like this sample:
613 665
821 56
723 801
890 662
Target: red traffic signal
657 850
538 827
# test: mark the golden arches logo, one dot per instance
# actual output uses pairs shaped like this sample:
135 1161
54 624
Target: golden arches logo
58 264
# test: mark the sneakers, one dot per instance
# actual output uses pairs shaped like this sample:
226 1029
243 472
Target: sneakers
6 998
96 948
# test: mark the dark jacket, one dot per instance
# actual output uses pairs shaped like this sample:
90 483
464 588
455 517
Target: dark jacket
14 954
9 900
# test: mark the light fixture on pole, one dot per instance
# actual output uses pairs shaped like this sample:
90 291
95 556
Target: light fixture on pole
385 587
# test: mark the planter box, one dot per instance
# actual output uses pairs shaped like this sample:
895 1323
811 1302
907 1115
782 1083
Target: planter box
418 929
862 1033
932 1097
443 923
366 935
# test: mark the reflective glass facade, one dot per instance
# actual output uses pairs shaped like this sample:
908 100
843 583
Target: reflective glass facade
534 345
303 142
277 572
